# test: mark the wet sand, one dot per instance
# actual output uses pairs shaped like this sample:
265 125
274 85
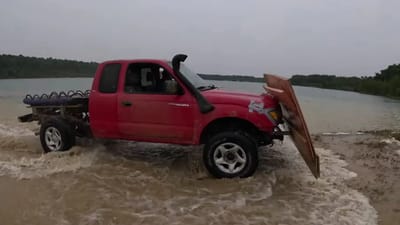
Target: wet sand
375 157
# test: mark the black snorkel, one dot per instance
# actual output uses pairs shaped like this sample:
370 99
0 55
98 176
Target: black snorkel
204 105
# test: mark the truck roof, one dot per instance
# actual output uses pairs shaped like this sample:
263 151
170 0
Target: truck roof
136 61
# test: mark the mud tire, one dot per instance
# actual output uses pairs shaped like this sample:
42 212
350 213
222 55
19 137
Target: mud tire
58 130
243 144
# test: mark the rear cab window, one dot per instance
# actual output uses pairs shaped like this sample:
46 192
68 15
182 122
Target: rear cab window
109 78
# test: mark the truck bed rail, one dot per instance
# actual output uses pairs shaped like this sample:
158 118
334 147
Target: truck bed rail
71 97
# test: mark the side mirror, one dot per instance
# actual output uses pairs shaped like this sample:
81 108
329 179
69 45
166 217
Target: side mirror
172 87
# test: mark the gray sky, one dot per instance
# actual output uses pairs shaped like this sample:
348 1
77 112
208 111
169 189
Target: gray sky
343 37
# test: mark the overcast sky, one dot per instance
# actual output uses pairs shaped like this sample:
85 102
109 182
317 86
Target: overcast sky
343 37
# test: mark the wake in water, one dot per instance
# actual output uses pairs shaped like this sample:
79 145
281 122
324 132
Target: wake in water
14 131
128 183
21 155
48 164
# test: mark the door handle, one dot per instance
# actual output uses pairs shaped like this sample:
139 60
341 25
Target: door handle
126 103
178 104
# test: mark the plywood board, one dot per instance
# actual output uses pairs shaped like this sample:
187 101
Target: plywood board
281 88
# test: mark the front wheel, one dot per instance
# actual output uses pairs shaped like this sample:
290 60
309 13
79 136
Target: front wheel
56 135
231 154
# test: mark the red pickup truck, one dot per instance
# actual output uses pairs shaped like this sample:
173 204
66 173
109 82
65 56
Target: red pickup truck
163 101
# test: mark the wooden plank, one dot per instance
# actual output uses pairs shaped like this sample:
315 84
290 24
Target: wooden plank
282 89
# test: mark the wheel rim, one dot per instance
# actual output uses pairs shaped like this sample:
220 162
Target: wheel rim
53 138
230 158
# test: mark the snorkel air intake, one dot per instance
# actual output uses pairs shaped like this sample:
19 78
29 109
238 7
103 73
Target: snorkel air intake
204 105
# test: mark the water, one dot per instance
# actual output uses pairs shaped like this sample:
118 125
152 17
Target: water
117 182
337 111
324 110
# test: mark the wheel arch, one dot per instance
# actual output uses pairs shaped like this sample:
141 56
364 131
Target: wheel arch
230 124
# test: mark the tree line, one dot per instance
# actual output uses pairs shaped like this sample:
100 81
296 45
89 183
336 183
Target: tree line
13 66
19 66
385 83
231 77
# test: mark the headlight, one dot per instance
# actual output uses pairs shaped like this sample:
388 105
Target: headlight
274 115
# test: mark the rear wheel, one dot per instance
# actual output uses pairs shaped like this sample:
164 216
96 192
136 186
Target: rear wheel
231 154
56 135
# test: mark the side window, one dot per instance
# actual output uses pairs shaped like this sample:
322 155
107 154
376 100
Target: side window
109 78
149 79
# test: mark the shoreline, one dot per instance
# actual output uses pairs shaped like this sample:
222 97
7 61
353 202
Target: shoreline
250 80
29 78
375 157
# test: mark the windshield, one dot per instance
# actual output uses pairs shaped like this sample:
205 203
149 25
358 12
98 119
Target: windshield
193 77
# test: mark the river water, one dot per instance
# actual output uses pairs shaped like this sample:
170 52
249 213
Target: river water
121 182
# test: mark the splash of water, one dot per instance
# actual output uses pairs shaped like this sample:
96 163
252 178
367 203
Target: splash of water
51 163
156 184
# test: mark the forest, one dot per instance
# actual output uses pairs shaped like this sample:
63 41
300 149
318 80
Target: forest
384 83
13 66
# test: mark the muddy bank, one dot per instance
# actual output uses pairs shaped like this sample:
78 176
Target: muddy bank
375 157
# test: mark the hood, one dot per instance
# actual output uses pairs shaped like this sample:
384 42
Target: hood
220 96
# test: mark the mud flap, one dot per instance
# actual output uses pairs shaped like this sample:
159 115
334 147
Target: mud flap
281 88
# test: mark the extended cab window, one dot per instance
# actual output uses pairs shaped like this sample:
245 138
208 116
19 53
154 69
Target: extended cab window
109 78
148 78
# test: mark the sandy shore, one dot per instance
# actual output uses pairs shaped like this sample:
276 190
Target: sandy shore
375 157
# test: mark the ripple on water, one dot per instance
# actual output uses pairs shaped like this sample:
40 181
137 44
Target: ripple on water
47 164
157 192
129 183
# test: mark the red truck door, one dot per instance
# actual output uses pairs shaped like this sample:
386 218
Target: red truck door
150 107
103 101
